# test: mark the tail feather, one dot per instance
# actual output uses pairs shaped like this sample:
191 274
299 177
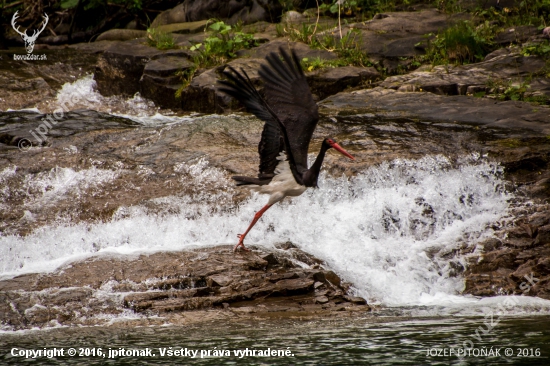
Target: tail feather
242 181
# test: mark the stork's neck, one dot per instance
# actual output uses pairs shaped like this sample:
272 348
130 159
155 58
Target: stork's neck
311 175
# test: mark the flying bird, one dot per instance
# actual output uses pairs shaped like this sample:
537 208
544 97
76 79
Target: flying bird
290 117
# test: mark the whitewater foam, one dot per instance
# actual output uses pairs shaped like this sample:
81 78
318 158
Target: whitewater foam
385 230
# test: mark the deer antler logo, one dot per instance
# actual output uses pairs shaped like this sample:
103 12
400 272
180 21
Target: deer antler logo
29 40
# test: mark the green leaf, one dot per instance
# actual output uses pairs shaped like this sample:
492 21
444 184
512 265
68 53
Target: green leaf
195 47
69 4
216 26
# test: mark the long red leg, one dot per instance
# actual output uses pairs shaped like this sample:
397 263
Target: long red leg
256 218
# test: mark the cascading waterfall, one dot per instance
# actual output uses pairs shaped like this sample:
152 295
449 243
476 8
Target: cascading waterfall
383 230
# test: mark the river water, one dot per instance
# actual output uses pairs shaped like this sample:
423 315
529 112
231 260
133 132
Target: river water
389 229
372 340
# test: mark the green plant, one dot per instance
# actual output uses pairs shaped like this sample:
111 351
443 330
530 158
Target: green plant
221 45
92 4
536 49
515 91
159 39
460 43
525 12
449 6
185 76
318 63
518 91
302 34
347 48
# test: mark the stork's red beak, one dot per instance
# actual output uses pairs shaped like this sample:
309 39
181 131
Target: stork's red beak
341 150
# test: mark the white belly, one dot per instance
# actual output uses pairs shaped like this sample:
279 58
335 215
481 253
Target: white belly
283 184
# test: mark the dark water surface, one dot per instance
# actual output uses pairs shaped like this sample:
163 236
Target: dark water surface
372 340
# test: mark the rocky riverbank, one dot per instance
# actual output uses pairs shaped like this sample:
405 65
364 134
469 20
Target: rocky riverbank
213 282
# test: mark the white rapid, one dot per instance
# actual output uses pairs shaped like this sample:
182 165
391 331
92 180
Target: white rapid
384 230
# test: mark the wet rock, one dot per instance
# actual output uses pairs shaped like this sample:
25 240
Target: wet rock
121 35
518 34
543 236
468 79
356 300
34 84
302 50
194 10
428 106
162 283
490 244
292 17
203 95
285 246
19 92
294 286
332 278
321 299
271 259
184 28
524 270
219 280
120 68
160 80
334 80
520 265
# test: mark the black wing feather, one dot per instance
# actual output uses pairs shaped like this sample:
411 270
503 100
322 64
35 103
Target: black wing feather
289 97
274 136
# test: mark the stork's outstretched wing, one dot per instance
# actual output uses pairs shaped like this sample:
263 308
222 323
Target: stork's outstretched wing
274 137
289 97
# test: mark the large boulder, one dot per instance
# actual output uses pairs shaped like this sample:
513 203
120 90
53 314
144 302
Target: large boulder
121 35
432 107
327 82
120 68
160 80
169 283
302 50
502 66
231 11
203 95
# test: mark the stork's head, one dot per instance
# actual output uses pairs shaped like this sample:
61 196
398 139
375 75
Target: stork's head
330 143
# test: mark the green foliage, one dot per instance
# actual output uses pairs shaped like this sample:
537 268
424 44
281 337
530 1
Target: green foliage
366 8
69 4
537 49
515 91
302 34
511 143
186 76
518 91
461 43
318 63
348 48
347 8
449 6
94 4
160 40
526 12
221 45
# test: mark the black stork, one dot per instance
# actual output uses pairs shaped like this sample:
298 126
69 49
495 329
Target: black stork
290 117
